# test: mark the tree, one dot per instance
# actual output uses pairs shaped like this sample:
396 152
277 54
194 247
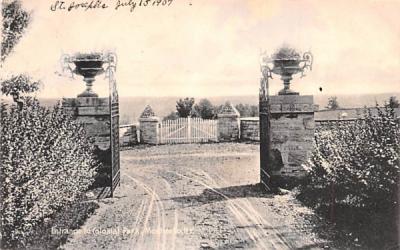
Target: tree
247 110
171 116
218 108
194 113
333 104
393 103
205 109
18 85
184 106
15 21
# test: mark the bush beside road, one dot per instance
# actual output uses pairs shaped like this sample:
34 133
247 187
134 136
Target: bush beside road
354 176
47 164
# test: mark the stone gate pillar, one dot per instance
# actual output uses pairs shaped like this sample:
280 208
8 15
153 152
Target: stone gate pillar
286 121
228 123
99 116
292 134
94 114
149 126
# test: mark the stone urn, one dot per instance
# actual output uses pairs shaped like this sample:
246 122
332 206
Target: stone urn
88 66
287 62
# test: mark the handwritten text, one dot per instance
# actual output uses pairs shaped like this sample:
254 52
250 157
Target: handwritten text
104 4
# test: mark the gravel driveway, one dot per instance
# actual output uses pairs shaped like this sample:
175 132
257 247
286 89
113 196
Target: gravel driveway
195 196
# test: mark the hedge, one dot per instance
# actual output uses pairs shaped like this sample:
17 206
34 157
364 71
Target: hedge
356 163
46 164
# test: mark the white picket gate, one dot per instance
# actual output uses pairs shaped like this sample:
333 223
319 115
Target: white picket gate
188 130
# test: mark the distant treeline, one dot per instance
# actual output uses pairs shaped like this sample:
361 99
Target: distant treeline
188 107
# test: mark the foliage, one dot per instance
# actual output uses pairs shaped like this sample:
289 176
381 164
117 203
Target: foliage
247 110
184 106
19 84
218 108
88 56
333 103
356 164
194 113
15 21
286 52
47 163
72 216
205 109
393 102
171 116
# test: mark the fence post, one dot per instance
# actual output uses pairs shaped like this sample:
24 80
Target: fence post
149 127
189 134
161 132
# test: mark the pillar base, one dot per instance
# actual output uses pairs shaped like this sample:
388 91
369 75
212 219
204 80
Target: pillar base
292 135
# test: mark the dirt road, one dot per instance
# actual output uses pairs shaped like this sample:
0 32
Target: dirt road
199 196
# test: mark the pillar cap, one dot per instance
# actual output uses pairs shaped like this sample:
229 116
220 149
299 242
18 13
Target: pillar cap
147 112
228 110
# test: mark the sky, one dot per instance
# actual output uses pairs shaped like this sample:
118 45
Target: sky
212 48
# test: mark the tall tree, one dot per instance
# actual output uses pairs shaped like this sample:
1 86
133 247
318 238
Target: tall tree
393 103
205 109
333 103
184 106
15 21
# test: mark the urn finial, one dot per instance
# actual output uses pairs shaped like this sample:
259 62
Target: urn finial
286 62
88 65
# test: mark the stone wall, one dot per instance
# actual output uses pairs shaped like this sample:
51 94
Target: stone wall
292 133
128 135
249 129
228 123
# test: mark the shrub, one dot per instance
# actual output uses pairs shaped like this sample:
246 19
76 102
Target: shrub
47 163
356 163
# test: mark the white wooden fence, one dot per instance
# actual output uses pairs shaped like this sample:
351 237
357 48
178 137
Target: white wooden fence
188 130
